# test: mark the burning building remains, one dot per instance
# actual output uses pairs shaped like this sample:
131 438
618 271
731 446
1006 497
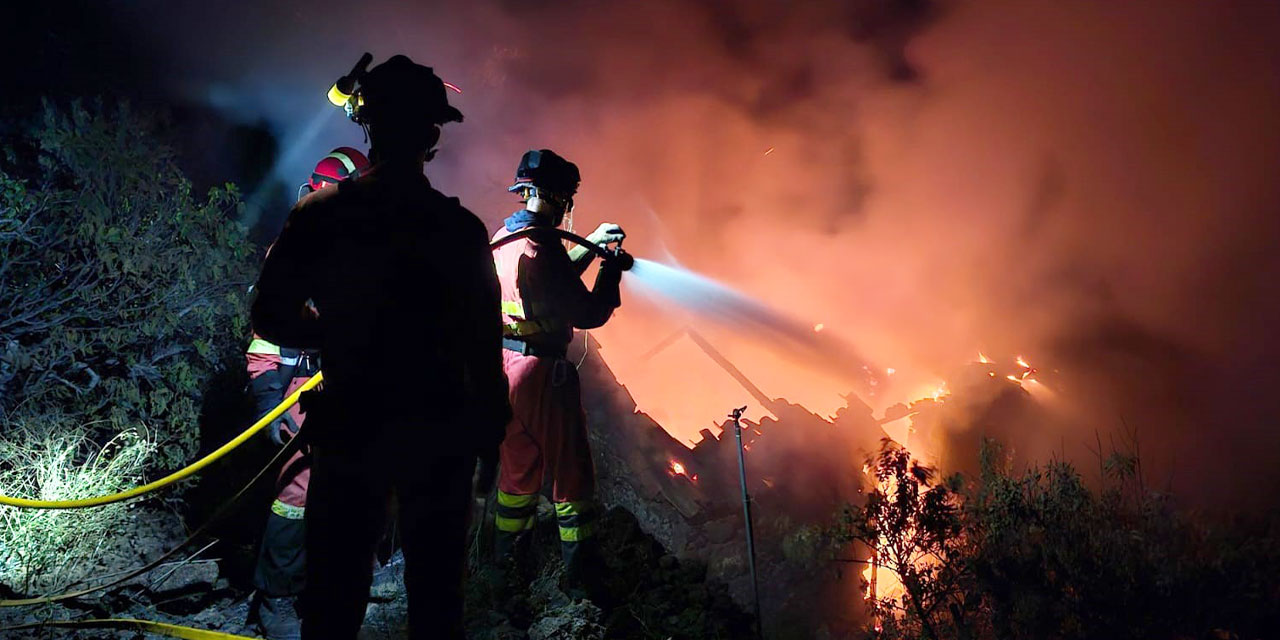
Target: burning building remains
802 467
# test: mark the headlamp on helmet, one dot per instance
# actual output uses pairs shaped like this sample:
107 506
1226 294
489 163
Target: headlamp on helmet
395 89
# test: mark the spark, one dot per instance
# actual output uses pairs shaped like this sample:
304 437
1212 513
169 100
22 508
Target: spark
768 151
1022 363
819 327
982 358
890 371
453 86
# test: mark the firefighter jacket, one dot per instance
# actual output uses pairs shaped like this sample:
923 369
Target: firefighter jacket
543 296
407 305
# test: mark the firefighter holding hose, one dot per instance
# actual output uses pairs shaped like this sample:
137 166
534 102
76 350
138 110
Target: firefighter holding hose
543 301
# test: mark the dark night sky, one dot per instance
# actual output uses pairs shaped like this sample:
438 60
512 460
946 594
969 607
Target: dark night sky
1091 185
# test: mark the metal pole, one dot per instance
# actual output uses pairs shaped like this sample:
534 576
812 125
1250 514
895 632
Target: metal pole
746 511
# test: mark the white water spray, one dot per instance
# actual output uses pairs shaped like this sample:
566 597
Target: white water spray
724 305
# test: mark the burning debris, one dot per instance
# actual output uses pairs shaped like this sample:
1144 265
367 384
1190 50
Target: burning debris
802 467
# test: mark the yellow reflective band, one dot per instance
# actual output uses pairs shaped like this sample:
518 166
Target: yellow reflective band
513 308
516 501
576 534
512 525
336 97
528 328
288 511
520 329
262 346
346 162
565 509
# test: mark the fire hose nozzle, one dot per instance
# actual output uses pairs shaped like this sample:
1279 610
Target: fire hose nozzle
620 259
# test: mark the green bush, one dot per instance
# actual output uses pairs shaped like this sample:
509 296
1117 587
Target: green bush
44 550
120 293
1039 555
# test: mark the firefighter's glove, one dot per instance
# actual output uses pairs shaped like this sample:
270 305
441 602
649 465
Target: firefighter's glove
283 429
606 234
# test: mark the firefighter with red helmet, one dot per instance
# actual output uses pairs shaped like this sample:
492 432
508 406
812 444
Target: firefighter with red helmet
275 372
543 300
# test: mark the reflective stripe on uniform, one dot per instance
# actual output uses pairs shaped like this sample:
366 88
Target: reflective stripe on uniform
522 328
288 511
575 520
262 346
516 512
513 308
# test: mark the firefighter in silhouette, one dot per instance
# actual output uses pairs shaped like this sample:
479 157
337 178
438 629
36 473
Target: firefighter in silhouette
543 300
406 313
275 372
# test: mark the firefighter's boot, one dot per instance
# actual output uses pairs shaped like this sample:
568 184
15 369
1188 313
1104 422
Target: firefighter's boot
278 618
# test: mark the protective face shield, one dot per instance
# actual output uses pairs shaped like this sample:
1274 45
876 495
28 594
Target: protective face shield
546 184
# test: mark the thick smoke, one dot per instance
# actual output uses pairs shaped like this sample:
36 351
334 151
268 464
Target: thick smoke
1089 185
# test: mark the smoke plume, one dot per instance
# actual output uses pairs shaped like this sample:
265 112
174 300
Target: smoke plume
1088 185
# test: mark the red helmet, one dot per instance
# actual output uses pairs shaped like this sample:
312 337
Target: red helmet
340 164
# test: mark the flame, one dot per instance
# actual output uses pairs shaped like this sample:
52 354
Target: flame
881 585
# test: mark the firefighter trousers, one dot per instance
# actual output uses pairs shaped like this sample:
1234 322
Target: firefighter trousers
546 439
345 518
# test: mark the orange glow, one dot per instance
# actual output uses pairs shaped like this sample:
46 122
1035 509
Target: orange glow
882 583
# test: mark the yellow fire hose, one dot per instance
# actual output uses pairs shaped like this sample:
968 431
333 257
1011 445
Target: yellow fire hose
127 624
180 474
